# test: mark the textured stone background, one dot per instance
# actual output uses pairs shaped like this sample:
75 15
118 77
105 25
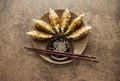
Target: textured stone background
17 64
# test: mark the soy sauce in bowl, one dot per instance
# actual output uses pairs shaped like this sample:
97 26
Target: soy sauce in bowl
59 43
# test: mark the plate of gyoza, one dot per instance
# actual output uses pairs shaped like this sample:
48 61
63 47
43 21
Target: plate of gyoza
60 31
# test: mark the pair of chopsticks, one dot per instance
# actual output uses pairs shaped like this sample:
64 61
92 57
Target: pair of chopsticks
70 55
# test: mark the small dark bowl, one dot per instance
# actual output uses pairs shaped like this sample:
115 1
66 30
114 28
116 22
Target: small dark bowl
59 43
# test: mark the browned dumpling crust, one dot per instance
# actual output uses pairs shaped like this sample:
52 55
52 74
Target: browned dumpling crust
79 33
65 19
38 35
74 24
54 19
42 25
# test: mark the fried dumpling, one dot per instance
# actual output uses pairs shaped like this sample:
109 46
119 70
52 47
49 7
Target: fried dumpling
74 24
38 35
65 20
42 25
54 19
81 32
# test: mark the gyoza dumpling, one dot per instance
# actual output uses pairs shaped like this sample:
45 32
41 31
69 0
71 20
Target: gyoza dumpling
42 25
74 24
65 20
54 19
38 35
81 32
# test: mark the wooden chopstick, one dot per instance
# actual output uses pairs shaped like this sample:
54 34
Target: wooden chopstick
70 55
65 53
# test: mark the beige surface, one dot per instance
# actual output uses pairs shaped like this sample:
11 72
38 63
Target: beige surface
17 64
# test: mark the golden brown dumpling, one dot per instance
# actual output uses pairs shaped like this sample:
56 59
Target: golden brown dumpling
54 19
74 24
38 35
40 24
65 20
81 32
